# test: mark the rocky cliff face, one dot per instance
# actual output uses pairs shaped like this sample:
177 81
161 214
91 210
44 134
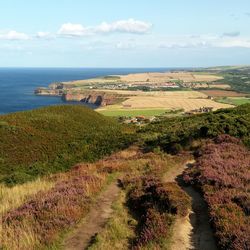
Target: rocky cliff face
92 97
68 93
49 92
54 89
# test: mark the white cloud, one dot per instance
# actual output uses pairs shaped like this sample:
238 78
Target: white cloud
125 26
131 26
44 35
233 43
73 30
183 45
203 41
125 45
13 35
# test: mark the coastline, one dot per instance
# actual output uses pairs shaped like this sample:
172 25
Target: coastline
150 90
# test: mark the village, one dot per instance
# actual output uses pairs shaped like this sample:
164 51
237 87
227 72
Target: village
142 120
146 86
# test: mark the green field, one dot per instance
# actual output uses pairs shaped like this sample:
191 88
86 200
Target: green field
235 100
135 112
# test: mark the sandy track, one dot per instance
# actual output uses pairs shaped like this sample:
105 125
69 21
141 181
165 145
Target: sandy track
192 231
101 211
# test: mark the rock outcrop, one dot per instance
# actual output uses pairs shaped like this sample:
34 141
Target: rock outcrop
98 98
49 92
71 93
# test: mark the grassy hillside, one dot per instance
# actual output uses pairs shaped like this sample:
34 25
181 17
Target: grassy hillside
174 134
52 139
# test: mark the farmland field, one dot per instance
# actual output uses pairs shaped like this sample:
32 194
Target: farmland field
187 104
222 93
133 112
235 100
142 78
161 100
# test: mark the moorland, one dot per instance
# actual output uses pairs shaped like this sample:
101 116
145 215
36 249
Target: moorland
61 164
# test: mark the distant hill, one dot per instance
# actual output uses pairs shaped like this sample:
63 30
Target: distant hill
238 77
52 139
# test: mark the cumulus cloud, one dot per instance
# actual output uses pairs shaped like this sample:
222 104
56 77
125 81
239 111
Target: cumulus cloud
73 30
131 26
44 35
232 34
13 35
125 26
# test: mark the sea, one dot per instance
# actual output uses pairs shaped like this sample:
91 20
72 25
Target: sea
17 85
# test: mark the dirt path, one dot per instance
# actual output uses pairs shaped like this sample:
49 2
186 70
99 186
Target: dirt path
100 212
193 231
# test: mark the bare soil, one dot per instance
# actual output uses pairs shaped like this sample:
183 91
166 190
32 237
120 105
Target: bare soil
194 230
80 238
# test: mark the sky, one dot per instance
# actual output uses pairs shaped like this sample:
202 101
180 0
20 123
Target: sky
131 33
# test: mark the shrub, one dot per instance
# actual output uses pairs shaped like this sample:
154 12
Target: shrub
221 172
177 133
43 217
154 204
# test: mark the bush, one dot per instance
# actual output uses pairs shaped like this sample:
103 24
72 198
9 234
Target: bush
154 204
174 134
221 172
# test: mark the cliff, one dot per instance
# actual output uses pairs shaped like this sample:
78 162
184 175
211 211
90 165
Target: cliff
49 92
54 89
69 93
98 98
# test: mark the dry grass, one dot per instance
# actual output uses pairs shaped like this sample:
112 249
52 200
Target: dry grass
187 100
118 231
160 77
220 86
187 104
38 222
142 78
223 93
13 197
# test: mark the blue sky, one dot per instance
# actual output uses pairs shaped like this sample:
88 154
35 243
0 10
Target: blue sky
131 33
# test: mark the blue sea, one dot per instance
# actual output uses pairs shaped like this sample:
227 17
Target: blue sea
17 85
